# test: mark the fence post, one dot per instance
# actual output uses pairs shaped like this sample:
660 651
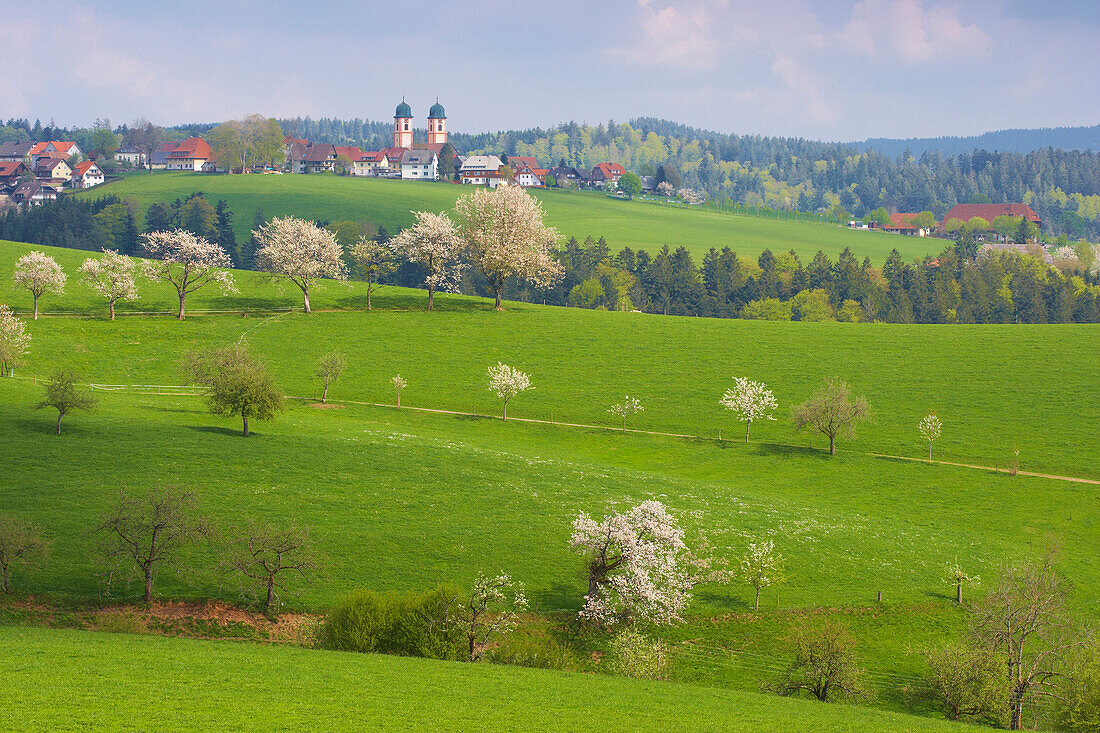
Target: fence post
719 435
880 596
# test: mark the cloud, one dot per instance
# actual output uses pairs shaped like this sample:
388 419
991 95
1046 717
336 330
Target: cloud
805 85
911 32
670 36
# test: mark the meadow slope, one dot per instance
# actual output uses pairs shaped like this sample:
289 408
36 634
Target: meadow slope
635 224
114 680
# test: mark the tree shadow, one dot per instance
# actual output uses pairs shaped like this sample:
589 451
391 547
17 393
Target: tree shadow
219 430
559 596
791 451
726 601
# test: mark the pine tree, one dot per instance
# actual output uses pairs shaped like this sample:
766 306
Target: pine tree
225 236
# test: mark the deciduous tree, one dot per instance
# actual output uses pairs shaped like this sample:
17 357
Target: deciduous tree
187 262
64 394
930 427
505 237
399 384
434 243
14 341
268 556
832 411
112 276
373 259
301 252
761 567
630 184
629 406
329 368
491 610
507 382
824 662
749 401
236 383
40 274
967 680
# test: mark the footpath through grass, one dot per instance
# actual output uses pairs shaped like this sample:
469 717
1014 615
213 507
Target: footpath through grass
114 681
635 224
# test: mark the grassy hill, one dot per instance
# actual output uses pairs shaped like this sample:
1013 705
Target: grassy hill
636 224
112 680
407 499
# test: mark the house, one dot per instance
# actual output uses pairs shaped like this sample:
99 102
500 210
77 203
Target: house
159 159
649 183
351 152
11 171
33 193
54 149
52 170
372 163
131 155
87 174
526 176
565 176
517 161
319 158
479 170
13 151
607 173
989 212
190 155
903 224
420 165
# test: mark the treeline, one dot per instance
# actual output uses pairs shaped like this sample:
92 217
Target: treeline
961 285
1010 141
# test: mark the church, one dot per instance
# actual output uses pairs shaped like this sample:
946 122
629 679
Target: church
418 160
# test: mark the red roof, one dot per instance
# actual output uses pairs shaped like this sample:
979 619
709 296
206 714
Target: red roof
901 221
37 148
394 153
352 152
518 162
192 148
9 168
82 168
611 170
989 212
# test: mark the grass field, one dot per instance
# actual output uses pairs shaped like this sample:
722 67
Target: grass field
635 224
407 499
116 681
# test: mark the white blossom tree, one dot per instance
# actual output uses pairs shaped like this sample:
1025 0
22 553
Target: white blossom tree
40 274
637 565
955 576
930 427
433 243
187 263
629 406
505 236
750 401
399 384
14 341
299 251
373 259
491 610
761 567
507 382
112 276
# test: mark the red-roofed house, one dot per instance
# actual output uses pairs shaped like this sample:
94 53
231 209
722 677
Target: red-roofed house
607 173
86 175
393 162
989 212
526 175
52 170
190 155
11 171
369 163
319 158
903 224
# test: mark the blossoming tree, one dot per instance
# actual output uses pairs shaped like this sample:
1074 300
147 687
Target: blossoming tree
505 236
629 406
187 263
956 576
112 276
930 427
761 567
14 341
40 274
637 565
399 384
433 243
299 251
507 382
750 401
491 610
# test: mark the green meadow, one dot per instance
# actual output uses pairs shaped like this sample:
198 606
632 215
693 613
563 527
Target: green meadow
636 224
118 681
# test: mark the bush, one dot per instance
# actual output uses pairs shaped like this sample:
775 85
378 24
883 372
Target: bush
633 654
406 624
535 652
1077 708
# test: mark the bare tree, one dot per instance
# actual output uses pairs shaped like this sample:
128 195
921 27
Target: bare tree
1024 621
148 531
64 394
20 543
267 556
145 136
967 680
329 368
832 411
824 662
374 259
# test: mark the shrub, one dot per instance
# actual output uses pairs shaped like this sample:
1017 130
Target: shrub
406 624
536 652
1077 707
633 654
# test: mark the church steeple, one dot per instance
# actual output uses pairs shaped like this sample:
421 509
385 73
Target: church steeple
402 126
437 123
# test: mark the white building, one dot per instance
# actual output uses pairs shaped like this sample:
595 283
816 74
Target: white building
481 170
419 165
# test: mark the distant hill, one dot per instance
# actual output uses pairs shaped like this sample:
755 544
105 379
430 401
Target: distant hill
1004 141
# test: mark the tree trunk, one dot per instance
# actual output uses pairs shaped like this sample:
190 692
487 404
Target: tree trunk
368 292
431 296
270 593
832 445
929 452
324 395
500 304
748 424
958 591
112 310
245 418
5 581
398 399
59 416
183 302
1016 705
756 605
470 637
149 583
505 409
36 307
624 423
305 297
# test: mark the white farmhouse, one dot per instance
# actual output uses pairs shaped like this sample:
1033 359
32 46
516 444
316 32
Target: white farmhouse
419 165
481 170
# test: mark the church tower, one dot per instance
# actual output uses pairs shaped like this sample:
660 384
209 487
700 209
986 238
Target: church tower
437 124
402 126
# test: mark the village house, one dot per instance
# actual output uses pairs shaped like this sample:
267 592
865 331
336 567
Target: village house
989 212
481 170
159 158
130 155
607 174
566 176
33 193
87 174
319 158
11 171
369 163
54 171
15 151
190 155
527 176
420 165
902 223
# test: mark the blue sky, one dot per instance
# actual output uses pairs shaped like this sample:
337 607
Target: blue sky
830 69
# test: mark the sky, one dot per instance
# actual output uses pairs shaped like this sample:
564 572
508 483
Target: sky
824 69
